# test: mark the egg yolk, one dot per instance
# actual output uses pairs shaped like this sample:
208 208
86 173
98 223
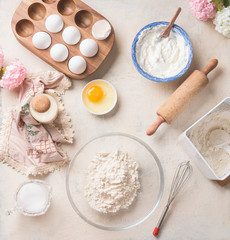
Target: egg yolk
95 94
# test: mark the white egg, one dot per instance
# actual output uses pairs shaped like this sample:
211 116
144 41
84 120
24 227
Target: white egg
41 40
88 47
77 64
71 35
54 23
101 29
59 52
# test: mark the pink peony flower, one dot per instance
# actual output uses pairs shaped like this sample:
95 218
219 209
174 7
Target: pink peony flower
1 57
203 9
13 76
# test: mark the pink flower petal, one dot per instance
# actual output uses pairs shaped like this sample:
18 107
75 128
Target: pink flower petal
1 57
203 9
14 75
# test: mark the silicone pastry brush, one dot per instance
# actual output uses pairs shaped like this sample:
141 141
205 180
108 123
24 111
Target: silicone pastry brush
182 174
183 95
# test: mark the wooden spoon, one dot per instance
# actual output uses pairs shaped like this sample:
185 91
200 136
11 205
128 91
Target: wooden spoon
167 30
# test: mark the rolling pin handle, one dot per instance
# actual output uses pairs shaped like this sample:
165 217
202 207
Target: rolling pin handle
152 129
210 66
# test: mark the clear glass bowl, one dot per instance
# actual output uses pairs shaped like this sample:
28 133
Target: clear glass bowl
150 175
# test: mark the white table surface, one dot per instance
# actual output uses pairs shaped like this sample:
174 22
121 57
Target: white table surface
202 210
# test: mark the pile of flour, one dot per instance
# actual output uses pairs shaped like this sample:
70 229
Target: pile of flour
112 182
212 131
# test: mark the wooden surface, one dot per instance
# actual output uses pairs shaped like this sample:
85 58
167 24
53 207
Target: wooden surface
30 17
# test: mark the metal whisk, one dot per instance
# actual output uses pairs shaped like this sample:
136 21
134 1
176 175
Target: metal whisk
182 174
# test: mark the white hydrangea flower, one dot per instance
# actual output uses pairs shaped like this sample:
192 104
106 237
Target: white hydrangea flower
222 22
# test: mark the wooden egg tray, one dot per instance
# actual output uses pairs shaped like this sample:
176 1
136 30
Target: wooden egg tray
30 17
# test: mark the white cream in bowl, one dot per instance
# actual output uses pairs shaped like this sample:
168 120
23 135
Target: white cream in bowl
161 57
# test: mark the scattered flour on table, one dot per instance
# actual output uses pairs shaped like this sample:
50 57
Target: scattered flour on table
112 182
212 131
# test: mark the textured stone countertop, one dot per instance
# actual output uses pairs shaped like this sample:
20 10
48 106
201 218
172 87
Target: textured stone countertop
202 210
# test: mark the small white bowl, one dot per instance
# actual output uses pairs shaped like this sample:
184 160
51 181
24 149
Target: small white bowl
19 206
111 108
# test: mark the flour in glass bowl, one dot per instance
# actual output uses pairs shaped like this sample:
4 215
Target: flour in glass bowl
161 57
112 182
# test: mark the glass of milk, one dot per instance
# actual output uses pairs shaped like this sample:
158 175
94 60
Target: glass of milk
33 198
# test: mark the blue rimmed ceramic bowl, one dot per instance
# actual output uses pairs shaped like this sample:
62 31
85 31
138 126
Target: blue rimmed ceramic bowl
188 43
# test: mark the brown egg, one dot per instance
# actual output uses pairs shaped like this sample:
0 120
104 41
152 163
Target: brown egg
41 103
44 108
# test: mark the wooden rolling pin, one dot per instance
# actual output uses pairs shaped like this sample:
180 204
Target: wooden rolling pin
183 95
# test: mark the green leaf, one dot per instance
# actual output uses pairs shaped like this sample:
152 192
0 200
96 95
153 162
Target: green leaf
2 70
226 3
218 3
